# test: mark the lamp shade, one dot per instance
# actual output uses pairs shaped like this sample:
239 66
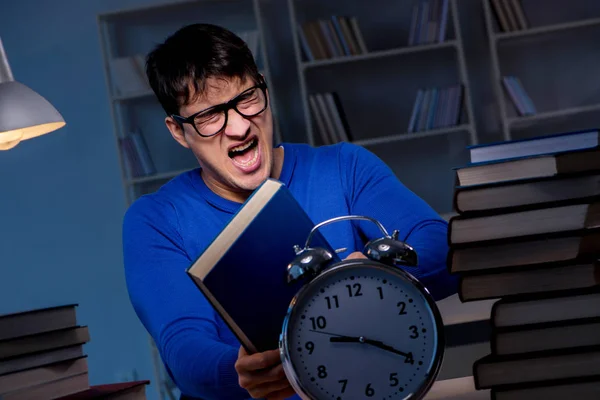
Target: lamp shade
24 114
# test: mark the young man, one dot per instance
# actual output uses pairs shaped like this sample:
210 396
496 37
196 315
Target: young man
217 106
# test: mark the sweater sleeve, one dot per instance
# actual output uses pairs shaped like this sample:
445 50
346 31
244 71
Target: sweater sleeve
179 319
375 191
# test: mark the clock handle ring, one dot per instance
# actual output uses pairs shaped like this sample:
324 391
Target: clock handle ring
349 217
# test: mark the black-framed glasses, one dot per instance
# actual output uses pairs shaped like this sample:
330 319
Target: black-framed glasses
213 120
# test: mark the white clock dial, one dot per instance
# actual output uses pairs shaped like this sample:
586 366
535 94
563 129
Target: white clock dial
362 333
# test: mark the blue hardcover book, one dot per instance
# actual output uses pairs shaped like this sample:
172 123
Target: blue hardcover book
535 146
242 272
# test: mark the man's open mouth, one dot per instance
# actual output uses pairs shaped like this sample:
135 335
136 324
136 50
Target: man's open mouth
245 154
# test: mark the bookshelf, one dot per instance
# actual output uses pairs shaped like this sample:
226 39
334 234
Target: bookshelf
364 75
550 52
125 37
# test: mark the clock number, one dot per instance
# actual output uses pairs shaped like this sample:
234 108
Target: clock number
409 359
344 382
402 306
415 332
318 322
356 292
310 346
322 371
335 301
394 379
369 391
380 292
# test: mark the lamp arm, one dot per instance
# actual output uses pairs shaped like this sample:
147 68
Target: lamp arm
5 71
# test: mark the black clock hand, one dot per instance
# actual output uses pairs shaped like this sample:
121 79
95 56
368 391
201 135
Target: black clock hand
339 338
386 347
376 343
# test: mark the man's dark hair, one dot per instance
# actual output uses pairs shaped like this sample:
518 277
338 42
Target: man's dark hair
190 56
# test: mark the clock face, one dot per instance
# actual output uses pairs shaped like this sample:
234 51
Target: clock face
362 333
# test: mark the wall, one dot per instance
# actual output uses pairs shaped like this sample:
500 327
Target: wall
61 196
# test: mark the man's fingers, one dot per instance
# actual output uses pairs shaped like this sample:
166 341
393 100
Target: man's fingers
281 394
254 379
263 360
257 361
356 254
266 390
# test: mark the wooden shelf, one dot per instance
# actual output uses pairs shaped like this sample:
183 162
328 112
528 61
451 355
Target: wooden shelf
156 177
133 96
131 11
380 54
505 64
565 112
146 93
556 28
412 135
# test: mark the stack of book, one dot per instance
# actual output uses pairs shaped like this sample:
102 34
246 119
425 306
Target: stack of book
528 234
41 354
42 358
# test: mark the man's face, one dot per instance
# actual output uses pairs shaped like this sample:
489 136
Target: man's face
239 158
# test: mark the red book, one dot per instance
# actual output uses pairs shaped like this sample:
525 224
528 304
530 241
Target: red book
135 389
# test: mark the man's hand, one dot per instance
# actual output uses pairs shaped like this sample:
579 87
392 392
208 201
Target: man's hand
356 254
262 375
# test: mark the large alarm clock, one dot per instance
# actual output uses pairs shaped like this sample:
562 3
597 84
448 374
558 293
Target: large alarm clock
360 328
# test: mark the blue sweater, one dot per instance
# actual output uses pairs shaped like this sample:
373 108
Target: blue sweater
164 232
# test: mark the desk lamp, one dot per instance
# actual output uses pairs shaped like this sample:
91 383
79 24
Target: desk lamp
24 114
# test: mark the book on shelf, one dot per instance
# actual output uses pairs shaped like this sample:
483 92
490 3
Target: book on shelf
509 15
518 96
128 75
429 21
137 155
436 108
249 257
329 117
536 252
338 36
